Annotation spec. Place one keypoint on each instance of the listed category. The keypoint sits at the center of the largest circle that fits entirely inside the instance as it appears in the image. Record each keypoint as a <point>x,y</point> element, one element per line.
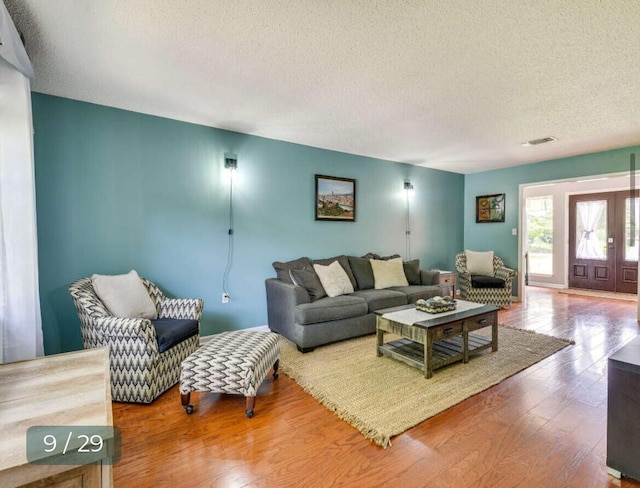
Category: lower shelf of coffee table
<point>445,352</point>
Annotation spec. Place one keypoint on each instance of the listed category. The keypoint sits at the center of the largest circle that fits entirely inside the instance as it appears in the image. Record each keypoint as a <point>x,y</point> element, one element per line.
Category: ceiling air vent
<point>542,140</point>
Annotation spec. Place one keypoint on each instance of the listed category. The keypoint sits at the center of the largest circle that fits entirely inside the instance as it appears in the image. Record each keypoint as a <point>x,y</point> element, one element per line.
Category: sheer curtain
<point>590,214</point>
<point>20,320</point>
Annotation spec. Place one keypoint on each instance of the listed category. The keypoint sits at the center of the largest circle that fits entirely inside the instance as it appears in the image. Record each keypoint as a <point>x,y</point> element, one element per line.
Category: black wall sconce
<point>230,161</point>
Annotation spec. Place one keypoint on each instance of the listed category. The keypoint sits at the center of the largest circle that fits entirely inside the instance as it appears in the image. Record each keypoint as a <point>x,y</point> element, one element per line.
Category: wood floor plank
<point>545,426</point>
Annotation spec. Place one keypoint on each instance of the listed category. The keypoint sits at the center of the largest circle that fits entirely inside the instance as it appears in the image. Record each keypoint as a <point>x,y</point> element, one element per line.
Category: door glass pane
<point>591,230</point>
<point>631,229</point>
<point>540,234</point>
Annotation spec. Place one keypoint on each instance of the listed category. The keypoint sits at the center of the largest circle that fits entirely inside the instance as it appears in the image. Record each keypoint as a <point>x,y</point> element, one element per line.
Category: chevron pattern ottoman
<point>231,362</point>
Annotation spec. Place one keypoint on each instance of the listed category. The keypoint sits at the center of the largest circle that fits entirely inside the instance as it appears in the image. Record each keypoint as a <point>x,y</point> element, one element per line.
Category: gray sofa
<point>298,308</point>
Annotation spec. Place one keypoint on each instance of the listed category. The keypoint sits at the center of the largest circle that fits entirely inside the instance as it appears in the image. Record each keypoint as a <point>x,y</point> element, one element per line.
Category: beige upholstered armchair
<point>145,353</point>
<point>484,278</point>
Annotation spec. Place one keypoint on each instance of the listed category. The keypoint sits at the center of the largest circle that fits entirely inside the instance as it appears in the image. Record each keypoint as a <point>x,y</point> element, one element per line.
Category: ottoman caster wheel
<point>189,409</point>
<point>249,414</point>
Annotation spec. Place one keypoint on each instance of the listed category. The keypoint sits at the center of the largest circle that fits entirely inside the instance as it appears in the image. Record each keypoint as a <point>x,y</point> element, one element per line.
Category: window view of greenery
<point>540,234</point>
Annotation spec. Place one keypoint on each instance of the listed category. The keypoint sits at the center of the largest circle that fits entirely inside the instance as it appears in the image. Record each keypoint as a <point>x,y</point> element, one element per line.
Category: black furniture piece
<point>623,405</point>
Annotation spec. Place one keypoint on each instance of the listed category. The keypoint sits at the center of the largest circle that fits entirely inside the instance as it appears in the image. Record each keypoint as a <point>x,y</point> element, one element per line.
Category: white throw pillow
<point>388,273</point>
<point>124,295</point>
<point>334,279</point>
<point>479,263</point>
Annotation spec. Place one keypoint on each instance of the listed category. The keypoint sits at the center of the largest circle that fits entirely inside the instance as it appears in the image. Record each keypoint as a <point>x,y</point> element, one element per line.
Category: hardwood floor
<point>544,427</point>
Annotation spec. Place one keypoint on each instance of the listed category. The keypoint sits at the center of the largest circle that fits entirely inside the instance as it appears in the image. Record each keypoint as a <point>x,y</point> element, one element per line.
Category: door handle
<point>482,321</point>
<point>448,330</point>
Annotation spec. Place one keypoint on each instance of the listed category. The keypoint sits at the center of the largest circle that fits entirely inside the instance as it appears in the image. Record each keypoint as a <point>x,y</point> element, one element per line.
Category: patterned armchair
<point>140,369</point>
<point>491,290</point>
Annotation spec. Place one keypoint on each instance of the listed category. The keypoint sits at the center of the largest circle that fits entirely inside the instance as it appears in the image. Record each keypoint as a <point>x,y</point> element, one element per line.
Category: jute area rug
<point>382,397</point>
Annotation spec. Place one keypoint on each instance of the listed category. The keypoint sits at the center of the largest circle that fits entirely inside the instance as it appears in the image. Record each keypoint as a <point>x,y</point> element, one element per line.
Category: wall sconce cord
<point>231,163</point>
<point>408,189</point>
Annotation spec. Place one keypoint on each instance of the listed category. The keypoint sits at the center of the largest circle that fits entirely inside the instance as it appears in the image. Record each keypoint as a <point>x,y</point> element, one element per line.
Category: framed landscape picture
<point>490,208</point>
<point>335,198</point>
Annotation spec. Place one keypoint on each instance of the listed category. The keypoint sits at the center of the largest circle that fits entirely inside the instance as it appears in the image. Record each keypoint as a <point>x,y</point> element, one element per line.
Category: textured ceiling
<point>449,84</point>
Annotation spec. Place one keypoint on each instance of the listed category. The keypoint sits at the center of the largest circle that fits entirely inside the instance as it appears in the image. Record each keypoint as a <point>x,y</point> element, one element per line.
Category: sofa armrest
<point>464,277</point>
<point>507,274</point>
<point>130,333</point>
<point>429,276</point>
<point>180,308</point>
<point>282,299</point>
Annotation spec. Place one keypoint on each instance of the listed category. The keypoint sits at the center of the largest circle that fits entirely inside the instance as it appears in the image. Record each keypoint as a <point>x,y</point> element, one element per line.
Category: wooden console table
<point>437,340</point>
<point>63,390</point>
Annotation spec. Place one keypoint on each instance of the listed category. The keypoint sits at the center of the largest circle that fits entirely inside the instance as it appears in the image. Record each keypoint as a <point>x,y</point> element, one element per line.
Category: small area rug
<point>382,397</point>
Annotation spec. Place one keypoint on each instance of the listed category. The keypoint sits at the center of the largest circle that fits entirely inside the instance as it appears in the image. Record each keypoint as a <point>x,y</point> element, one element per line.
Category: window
<point>591,230</point>
<point>539,212</point>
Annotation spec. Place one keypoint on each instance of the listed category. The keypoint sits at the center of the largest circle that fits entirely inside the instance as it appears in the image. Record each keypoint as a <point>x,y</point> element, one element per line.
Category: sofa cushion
<point>412,271</point>
<point>361,268</point>
<point>378,299</point>
<point>124,295</point>
<point>480,281</point>
<point>171,332</point>
<point>388,273</point>
<point>417,292</point>
<point>429,276</point>
<point>480,263</point>
<point>344,262</point>
<point>411,268</point>
<point>308,279</point>
<point>331,308</point>
<point>282,269</point>
<point>334,279</point>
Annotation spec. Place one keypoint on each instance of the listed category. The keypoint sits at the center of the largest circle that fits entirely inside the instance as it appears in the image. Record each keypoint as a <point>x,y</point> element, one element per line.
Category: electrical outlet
<point>514,232</point>
<point>225,298</point>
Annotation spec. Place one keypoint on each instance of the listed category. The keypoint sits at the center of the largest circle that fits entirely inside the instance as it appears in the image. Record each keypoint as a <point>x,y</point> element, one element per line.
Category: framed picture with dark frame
<point>335,198</point>
<point>490,208</point>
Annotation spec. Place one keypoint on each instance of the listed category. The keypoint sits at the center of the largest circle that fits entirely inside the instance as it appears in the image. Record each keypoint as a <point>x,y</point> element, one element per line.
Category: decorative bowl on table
<point>436,305</point>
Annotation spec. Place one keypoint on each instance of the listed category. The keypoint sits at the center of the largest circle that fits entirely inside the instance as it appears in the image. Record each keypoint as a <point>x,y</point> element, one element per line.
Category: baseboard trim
<point>546,285</point>
<point>260,328</point>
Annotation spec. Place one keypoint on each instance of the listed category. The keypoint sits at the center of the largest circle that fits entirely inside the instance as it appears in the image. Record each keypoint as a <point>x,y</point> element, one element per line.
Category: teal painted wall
<point>497,236</point>
<point>118,190</point>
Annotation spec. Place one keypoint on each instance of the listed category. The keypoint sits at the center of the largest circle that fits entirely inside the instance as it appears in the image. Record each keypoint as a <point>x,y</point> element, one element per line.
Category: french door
<point>603,241</point>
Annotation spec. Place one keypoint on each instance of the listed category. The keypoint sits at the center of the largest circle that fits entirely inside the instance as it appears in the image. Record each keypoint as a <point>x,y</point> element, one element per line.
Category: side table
<point>69,389</point>
<point>448,278</point>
